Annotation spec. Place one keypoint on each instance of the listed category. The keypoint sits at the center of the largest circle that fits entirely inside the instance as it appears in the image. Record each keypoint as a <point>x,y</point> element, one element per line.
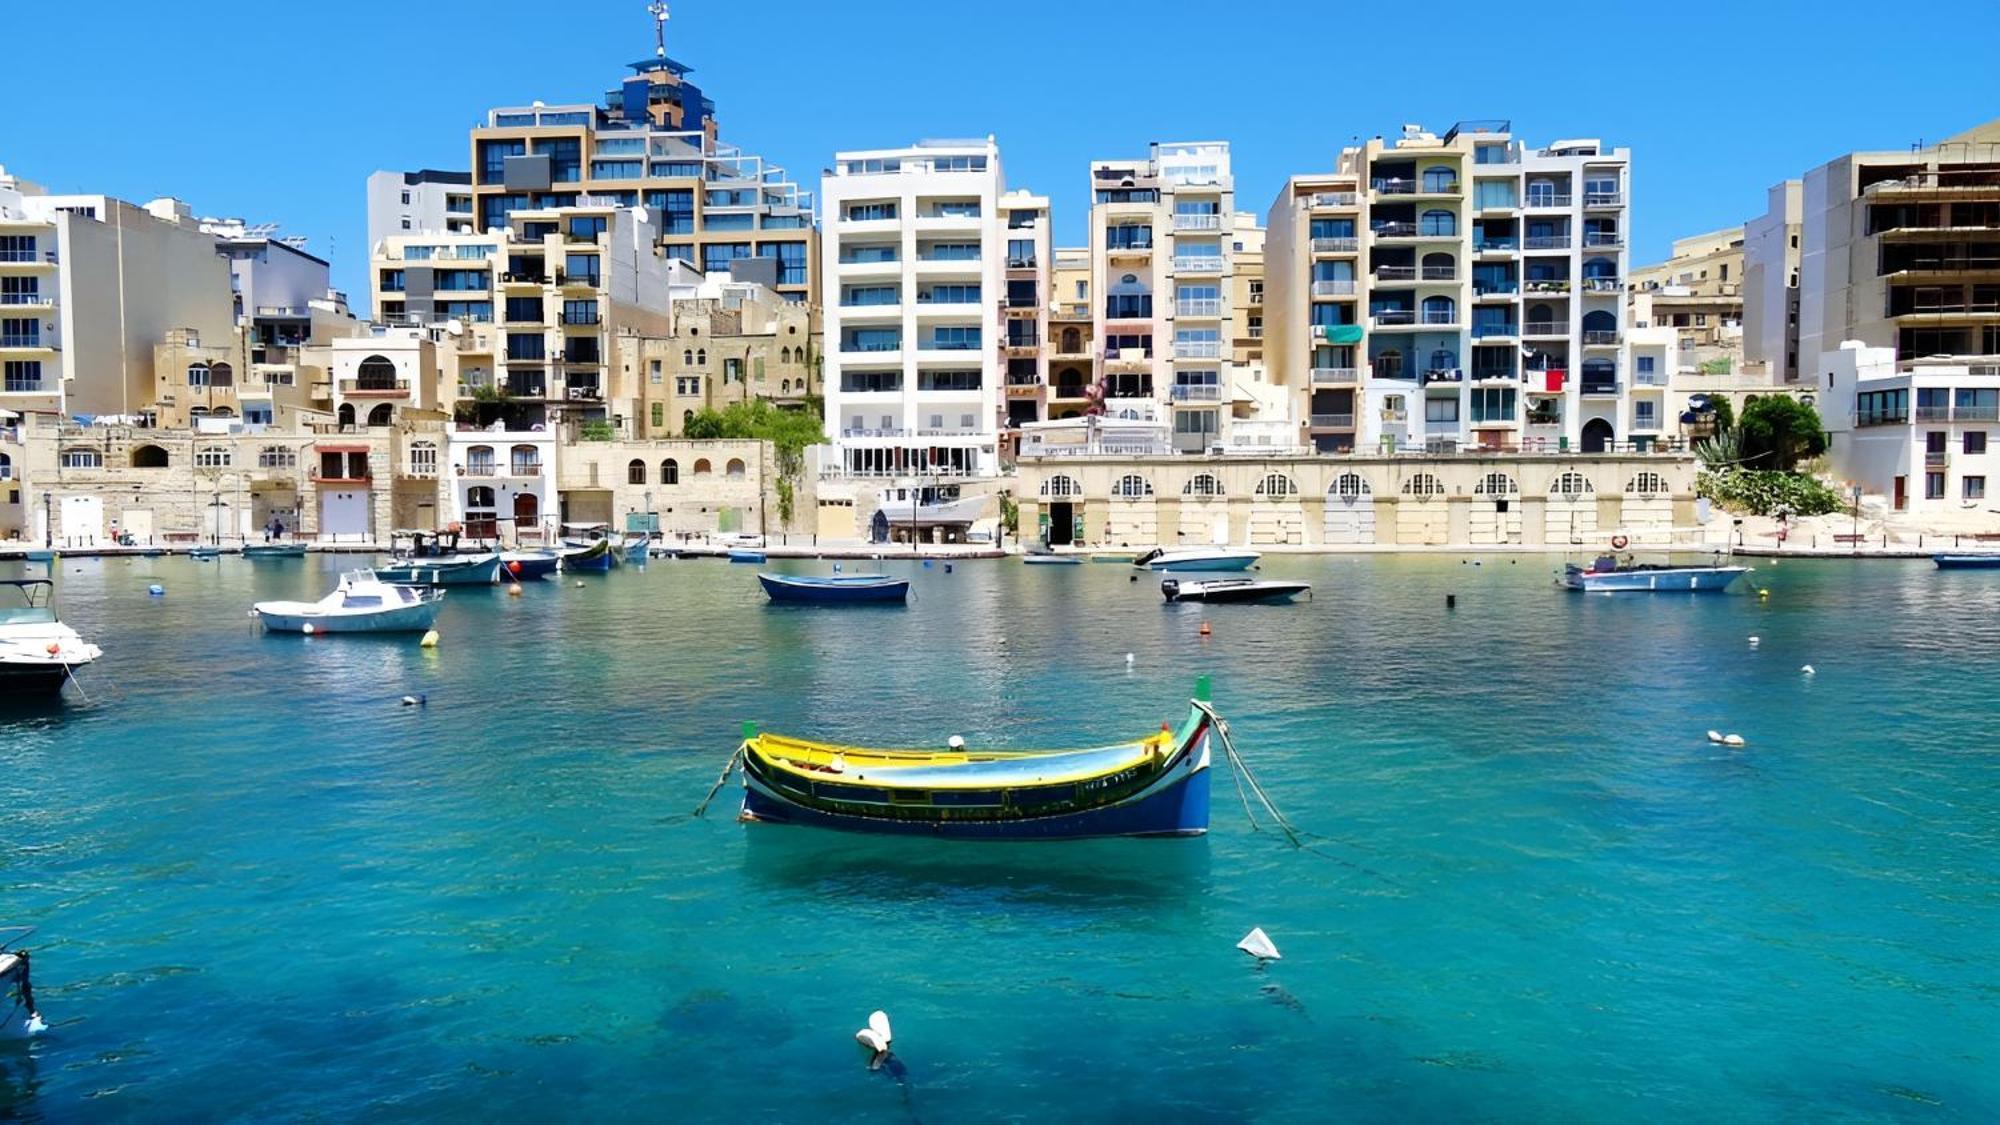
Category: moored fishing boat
<point>632,550</point>
<point>524,566</point>
<point>432,558</point>
<point>838,589</point>
<point>1197,558</point>
<point>1153,786</point>
<point>1237,590</point>
<point>598,557</point>
<point>19,1018</point>
<point>745,555</point>
<point>361,603</point>
<point>1037,559</point>
<point>1983,560</point>
<point>274,551</point>
<point>37,650</point>
<point>1609,575</point>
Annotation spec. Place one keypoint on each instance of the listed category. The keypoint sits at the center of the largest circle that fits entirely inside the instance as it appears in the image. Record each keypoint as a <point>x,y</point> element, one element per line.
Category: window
<point>1973,488</point>
<point>701,467</point>
<point>635,473</point>
<point>1571,486</point>
<point>1423,485</point>
<point>1061,487</point>
<point>732,370</point>
<point>1203,485</point>
<point>211,457</point>
<point>670,471</point>
<point>277,457</point>
<point>870,212</point>
<point>1933,486</point>
<point>20,332</point>
<point>1643,416</point>
<point>17,247</point>
<point>1496,484</point>
<point>1350,486</point>
<point>81,459</point>
<point>734,470</point>
<point>1647,484</point>
<point>1443,410</point>
<point>1277,486</point>
<point>423,459</point>
<point>659,415</point>
<point>1132,486</point>
<point>655,368</point>
<point>197,374</point>
<point>1975,441</point>
<point>1644,364</point>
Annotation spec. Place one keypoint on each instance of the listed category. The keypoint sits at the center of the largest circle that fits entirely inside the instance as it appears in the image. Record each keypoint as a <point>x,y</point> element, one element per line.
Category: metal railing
<point>1336,245</point>
<point>1603,198</point>
<point>1546,242</point>
<point>1935,458</point>
<point>1550,200</point>
<point>1334,376</point>
<point>1545,328</point>
<point>1599,337</point>
<point>1608,239</point>
<point>1494,374</point>
<point>1197,222</point>
<point>1395,273</point>
<point>1591,389</point>
<point>1394,317</point>
<point>1331,421</point>
<point>1333,288</point>
<point>1439,316</point>
<point>1497,245</point>
<point>1601,285</point>
<point>1334,199</point>
<point>1197,349</point>
<point>1483,331</point>
<point>1440,273</point>
<point>1394,230</point>
<point>374,386</point>
<point>1196,392</point>
<point>1495,288</point>
<point>1198,264</point>
<point>1198,306</point>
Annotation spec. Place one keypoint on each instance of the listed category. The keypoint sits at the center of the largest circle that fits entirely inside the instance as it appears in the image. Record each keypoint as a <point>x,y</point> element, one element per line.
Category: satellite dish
<point>454,327</point>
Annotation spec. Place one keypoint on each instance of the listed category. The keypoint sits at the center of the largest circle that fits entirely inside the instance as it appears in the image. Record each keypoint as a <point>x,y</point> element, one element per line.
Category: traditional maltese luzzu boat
<point>1153,786</point>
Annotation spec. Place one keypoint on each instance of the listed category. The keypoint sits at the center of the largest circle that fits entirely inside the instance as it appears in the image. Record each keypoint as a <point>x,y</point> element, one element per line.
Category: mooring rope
<point>728,768</point>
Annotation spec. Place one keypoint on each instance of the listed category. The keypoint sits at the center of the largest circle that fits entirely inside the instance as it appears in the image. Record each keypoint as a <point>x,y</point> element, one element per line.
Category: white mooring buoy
<point>875,1037</point>
<point>1258,944</point>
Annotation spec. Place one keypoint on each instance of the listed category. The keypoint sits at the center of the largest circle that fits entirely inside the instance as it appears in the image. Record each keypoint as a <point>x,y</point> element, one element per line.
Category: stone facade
<point>693,487</point>
<point>721,351</point>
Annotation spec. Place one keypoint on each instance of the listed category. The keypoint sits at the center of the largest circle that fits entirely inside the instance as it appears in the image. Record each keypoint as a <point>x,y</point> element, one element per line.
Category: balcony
<point>1394,318</point>
<point>1336,245</point>
<point>1325,199</point>
<point>1975,414</point>
<point>1600,338</point>
<point>1649,379</point>
<point>882,432</point>
<point>947,344</point>
<point>1546,200</point>
<point>1546,286</point>
<point>1334,376</point>
<point>1546,242</point>
<point>875,347</point>
<point>1391,186</point>
<point>1198,222</point>
<point>1602,285</point>
<point>1204,308</point>
<point>375,388</point>
<point>1197,349</point>
<point>1494,290</point>
<point>580,320</point>
<point>583,392</point>
<point>1545,328</point>
<point>1443,375</point>
<point>1335,288</point>
<point>1020,345</point>
<point>1936,458</point>
<point>1330,421</point>
<point>1495,375</point>
<point>1604,199</point>
<point>1129,359</point>
<point>28,260</point>
<point>1394,230</point>
<point>1497,246</point>
<point>30,300</point>
<point>1128,251</point>
<point>527,387</point>
<point>1492,331</point>
<point>1603,239</point>
<point>1439,273</point>
<point>1438,317</point>
<point>1597,389</point>
<point>1200,264</point>
<point>1196,392</point>
<point>1064,391</point>
<point>1388,274</point>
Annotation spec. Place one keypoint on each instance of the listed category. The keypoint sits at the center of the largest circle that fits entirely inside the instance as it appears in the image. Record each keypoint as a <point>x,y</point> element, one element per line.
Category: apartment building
<point>1918,432</point>
<point>1771,244</point>
<point>1899,249</point>
<point>1247,294</point>
<point>730,342</point>
<point>426,201</point>
<point>1698,293</point>
<point>1163,271</point>
<point>88,285</point>
<point>916,257</point>
<point>1071,342</point>
<point>1459,291</point>
<point>1024,307</point>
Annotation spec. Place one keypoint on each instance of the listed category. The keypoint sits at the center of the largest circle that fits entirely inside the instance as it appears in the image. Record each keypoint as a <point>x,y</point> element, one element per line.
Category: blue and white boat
<point>1982,560</point>
<point>432,558</point>
<point>746,555</point>
<point>362,603</point>
<point>837,589</point>
<point>526,566</point>
<point>1607,575</point>
<point>1197,558</point>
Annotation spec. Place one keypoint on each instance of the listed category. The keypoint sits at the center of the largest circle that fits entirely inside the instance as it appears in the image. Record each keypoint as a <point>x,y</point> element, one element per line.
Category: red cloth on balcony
<point>1555,379</point>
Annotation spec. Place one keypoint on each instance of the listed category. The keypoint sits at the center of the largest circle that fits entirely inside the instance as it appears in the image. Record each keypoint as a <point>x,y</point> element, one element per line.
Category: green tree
<point>1779,432</point>
<point>1725,414</point>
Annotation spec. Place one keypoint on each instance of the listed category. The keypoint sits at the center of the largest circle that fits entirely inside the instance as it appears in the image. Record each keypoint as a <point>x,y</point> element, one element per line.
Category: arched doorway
<point>382,415</point>
<point>527,513</point>
<point>1598,436</point>
<point>345,416</point>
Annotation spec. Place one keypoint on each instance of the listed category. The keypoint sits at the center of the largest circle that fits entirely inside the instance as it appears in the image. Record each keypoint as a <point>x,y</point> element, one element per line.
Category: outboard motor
<point>1171,587</point>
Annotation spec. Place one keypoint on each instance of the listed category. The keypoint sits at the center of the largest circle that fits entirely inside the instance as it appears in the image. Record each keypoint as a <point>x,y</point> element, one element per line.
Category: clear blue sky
<point>278,112</point>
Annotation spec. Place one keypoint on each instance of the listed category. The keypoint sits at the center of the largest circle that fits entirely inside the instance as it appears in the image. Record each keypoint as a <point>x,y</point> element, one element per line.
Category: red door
<point>1902,494</point>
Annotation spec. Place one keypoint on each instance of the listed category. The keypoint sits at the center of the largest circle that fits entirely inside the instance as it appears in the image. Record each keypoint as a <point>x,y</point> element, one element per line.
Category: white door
<point>1350,520</point>
<point>138,521</point>
<point>343,515</point>
<point>82,521</point>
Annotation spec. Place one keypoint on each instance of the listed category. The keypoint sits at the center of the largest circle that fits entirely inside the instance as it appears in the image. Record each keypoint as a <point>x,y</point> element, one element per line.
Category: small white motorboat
<point>1197,558</point>
<point>37,651</point>
<point>362,603</point>
<point>19,1018</point>
<point>1239,590</point>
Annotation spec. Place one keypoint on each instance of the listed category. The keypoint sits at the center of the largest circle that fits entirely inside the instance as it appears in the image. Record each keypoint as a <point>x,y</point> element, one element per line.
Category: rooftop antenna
<point>659,10</point>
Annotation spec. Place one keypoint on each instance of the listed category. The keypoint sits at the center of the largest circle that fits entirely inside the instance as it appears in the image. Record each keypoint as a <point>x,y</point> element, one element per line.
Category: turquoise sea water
<point>1537,893</point>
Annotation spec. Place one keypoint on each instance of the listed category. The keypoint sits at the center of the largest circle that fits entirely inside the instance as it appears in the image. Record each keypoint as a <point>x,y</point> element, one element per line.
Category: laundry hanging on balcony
<point>1342,333</point>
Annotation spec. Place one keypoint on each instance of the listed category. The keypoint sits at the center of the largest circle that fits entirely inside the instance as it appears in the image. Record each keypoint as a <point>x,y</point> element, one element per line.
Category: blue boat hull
<point>852,593</point>
<point>528,567</point>
<point>1177,808</point>
<point>1967,562</point>
<point>746,556</point>
<point>599,563</point>
<point>483,572</point>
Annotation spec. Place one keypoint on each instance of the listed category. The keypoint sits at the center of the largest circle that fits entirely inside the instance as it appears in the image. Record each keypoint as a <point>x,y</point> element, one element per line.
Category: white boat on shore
<point>362,603</point>
<point>1197,558</point>
<point>37,651</point>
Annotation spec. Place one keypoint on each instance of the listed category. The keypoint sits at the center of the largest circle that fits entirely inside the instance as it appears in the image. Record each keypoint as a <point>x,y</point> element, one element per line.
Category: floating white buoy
<point>1732,740</point>
<point>1715,737</point>
<point>955,742</point>
<point>1129,658</point>
<point>430,640</point>
<point>1808,669</point>
<point>308,629</point>
<point>1257,944</point>
<point>579,583</point>
<point>875,1037</point>
<point>514,590</point>
<point>157,590</point>
<point>409,701</point>
<point>1755,641</point>
<point>35,1026</point>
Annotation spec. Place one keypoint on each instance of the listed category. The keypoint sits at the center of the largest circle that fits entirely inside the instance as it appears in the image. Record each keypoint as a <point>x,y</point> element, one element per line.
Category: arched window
<point>376,373</point>
<point>635,473</point>
<point>148,457</point>
<point>734,469</point>
<point>345,415</point>
<point>1600,268</point>
<point>382,415</point>
<point>687,357</point>
<point>1599,320</point>
<point>1496,484</point>
<point>784,386</point>
<point>1443,359</point>
<point>1277,486</point>
<point>1423,486</point>
<point>82,459</point>
<point>1571,486</point>
<point>1072,341</point>
<point>1061,487</point>
<point>1647,484</point>
<point>1203,485</point>
<point>221,375</point>
<point>222,412</point>
<point>687,416</point>
<point>6,467</point>
<point>1350,485</point>
<point>526,461</point>
<point>785,355</point>
<point>197,374</point>
<point>1388,364</point>
<point>1440,310</point>
<point>1436,223</point>
<point>1132,486</point>
<point>1439,267</point>
<point>277,457</point>
<point>701,467</point>
<point>670,471</point>
<point>701,357</point>
<point>479,496</point>
<point>1440,180</point>
<point>479,461</point>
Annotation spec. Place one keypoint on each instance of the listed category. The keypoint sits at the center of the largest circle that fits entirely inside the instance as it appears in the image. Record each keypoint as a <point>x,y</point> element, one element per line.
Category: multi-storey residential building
<point>731,341</point>
<point>1072,334</point>
<point>426,201</point>
<point>652,143</point>
<point>916,256</point>
<point>1025,309</point>
<point>88,285</point>
<point>1771,284</point>
<point>1917,433</point>
<point>1162,269</point>
<point>1698,293</point>
<point>1457,291</point>
<point>1247,294</point>
<point>1899,249</point>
